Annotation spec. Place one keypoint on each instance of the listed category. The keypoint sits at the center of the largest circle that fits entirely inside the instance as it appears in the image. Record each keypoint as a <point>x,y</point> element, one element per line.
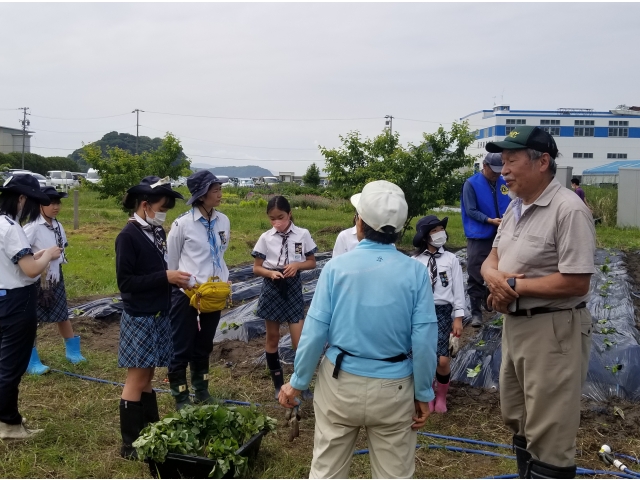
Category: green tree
<point>430,174</point>
<point>312,177</point>
<point>120,169</point>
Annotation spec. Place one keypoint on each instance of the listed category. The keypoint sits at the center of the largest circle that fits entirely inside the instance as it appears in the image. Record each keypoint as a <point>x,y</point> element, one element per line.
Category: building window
<point>549,122</point>
<point>616,131</point>
<point>583,155</point>
<point>583,131</point>
<point>618,123</point>
<point>584,122</point>
<point>516,121</point>
<point>616,155</point>
<point>554,131</point>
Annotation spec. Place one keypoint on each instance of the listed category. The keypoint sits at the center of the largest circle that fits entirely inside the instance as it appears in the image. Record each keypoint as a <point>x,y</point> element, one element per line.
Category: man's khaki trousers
<point>384,407</point>
<point>545,359</point>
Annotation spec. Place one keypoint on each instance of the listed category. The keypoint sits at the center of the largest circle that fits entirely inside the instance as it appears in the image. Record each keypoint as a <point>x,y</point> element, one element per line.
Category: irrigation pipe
<point>628,457</point>
<point>466,440</point>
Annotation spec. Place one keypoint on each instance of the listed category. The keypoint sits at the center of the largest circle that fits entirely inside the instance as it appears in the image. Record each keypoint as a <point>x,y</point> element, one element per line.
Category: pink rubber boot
<point>441,397</point>
<point>432,403</point>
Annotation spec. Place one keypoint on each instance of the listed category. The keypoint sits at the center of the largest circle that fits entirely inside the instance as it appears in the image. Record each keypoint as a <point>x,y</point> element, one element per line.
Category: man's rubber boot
<point>35,365</point>
<point>72,346</point>
<point>17,432</point>
<point>441,397</point>
<point>278,380</point>
<point>432,403</point>
<point>522,455</point>
<point>476,312</point>
<point>149,407</point>
<point>200,381</point>
<point>307,394</point>
<point>538,469</point>
<point>179,388</point>
<point>131,422</point>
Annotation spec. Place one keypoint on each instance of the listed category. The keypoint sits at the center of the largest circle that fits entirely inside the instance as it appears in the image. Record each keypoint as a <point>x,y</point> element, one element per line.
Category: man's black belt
<point>398,358</point>
<point>539,310</point>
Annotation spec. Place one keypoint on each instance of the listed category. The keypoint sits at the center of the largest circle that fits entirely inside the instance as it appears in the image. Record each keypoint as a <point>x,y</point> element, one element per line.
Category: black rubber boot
<point>200,381</point>
<point>522,455</point>
<point>179,388</point>
<point>476,312</point>
<point>538,469</point>
<point>278,380</point>
<point>131,422</point>
<point>150,407</point>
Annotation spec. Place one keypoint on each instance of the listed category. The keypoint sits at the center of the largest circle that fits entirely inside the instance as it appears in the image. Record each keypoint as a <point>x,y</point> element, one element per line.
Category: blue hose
<point>628,457</point>
<point>466,440</point>
<point>584,471</point>
<point>451,449</point>
<point>508,475</point>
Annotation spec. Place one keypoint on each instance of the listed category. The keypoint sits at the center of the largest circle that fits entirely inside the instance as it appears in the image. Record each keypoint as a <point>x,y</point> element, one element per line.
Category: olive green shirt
<point>555,234</point>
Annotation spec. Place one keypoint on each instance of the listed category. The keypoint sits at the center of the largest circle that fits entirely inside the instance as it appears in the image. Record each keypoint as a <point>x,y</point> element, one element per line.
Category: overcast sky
<point>352,62</point>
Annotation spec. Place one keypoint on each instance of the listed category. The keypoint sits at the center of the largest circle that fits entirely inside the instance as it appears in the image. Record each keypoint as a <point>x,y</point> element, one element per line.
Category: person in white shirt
<point>280,254</point>
<point>448,294</point>
<point>196,244</point>
<point>43,233</point>
<point>20,198</point>
<point>347,240</point>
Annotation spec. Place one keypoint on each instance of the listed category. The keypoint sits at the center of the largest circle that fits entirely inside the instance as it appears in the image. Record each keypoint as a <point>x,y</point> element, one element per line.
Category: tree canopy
<point>312,177</point>
<point>431,173</point>
<point>37,163</point>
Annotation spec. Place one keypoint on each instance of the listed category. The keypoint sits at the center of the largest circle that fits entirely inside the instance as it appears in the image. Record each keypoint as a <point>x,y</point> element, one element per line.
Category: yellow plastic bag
<point>211,296</point>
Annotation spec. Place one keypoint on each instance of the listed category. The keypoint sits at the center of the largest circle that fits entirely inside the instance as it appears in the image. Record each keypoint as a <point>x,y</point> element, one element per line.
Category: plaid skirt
<point>145,342</point>
<point>52,303</point>
<point>281,300</point>
<point>445,323</point>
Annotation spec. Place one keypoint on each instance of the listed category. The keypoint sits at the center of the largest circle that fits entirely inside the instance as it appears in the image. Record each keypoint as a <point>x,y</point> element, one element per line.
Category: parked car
<point>179,182</point>
<point>93,176</point>
<point>268,181</point>
<point>246,182</point>
<point>62,179</point>
<point>41,178</point>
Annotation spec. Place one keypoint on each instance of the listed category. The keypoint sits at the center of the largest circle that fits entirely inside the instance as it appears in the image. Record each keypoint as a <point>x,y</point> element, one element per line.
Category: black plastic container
<point>187,466</point>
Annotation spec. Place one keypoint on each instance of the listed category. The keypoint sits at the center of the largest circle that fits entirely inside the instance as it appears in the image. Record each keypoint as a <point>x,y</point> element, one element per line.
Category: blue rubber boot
<point>35,365</point>
<point>72,346</point>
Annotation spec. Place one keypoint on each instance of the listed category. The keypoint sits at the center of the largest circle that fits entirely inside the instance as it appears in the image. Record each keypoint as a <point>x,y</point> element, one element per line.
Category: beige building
<point>11,140</point>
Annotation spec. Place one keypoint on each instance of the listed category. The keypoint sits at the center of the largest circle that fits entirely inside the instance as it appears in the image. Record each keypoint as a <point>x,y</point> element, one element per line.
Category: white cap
<point>381,203</point>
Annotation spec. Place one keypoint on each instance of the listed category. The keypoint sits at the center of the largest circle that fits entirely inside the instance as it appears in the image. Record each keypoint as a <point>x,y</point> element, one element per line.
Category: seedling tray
<point>187,466</point>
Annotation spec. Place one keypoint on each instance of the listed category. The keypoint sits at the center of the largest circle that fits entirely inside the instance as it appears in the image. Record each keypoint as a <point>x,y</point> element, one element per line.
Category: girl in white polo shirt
<point>47,232</point>
<point>280,254</point>
<point>448,295</point>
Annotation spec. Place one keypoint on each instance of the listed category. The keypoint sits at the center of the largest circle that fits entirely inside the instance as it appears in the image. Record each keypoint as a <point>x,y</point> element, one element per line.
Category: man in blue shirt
<point>485,198</point>
<point>373,307</point>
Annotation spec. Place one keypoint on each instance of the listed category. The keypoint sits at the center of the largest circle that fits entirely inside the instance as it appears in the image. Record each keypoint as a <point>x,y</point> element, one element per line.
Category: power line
<point>92,131</point>
<point>267,119</point>
<point>230,144</point>
<point>92,118</point>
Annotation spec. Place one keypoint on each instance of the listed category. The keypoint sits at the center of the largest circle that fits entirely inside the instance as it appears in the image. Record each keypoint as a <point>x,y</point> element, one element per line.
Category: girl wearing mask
<point>20,199</point>
<point>279,256</point>
<point>448,295</point>
<point>47,232</point>
<point>145,285</point>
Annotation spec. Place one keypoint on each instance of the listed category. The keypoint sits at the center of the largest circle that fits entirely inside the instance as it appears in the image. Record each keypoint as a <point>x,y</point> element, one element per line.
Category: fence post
<point>76,216</point>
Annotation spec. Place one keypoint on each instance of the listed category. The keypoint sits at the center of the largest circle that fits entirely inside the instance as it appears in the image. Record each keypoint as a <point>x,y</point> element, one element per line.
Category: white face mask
<point>438,239</point>
<point>158,219</point>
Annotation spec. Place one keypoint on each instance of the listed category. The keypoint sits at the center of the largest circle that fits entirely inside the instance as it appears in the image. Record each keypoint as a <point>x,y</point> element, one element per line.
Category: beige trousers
<point>545,359</point>
<point>384,407</point>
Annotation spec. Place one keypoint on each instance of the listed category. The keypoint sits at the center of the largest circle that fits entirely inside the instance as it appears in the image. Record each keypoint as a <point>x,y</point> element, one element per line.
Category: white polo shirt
<point>13,246</point>
<point>40,236</point>
<point>299,243</point>
<point>449,284</point>
<point>347,240</point>
<point>188,246</point>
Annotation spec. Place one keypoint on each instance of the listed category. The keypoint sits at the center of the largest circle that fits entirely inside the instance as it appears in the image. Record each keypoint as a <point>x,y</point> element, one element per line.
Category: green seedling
<point>614,368</point>
<point>608,343</point>
<point>481,343</point>
<point>498,321</point>
<point>473,372</point>
<point>605,269</point>
<point>77,312</point>
<point>608,330</point>
<point>608,307</point>
<point>603,321</point>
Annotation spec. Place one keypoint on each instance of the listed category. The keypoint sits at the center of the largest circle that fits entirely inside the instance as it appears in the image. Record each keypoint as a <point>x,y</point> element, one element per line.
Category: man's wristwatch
<point>512,283</point>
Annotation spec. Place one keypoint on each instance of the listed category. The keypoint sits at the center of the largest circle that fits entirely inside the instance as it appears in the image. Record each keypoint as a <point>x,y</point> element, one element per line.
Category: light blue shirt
<point>374,302</point>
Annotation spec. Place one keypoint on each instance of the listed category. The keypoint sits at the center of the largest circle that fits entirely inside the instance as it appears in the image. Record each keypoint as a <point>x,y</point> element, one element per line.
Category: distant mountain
<point>240,172</point>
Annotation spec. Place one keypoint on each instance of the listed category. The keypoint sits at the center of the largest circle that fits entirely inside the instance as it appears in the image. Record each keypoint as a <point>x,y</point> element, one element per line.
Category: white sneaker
<point>16,432</point>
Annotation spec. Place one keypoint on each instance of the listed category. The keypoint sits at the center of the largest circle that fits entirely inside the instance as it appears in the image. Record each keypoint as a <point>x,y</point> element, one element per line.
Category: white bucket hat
<point>381,204</point>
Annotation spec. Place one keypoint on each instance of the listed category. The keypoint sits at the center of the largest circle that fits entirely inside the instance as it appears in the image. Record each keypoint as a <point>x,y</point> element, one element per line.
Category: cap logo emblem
<point>513,134</point>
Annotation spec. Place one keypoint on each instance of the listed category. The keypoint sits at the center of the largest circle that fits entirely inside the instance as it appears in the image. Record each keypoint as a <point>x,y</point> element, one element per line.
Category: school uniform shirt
<point>197,246</point>
<point>14,245</point>
<point>347,240</point>
<point>42,235</point>
<point>273,251</point>
<point>449,288</point>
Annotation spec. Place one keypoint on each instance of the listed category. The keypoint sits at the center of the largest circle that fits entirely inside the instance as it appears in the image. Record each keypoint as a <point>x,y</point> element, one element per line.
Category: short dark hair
<point>9,206</point>
<point>386,237</point>
<point>575,181</point>
<point>132,201</point>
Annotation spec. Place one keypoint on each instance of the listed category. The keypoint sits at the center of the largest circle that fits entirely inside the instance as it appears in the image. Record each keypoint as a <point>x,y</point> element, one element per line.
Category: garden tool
<point>608,459</point>
<point>292,415</point>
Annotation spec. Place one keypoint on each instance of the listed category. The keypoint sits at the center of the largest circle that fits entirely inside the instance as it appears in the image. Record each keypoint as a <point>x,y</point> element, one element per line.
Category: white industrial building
<point>11,140</point>
<point>586,138</point>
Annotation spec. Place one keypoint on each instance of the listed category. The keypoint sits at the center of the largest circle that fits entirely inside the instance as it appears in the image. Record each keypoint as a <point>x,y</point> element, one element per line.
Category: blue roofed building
<point>607,174</point>
<point>585,137</point>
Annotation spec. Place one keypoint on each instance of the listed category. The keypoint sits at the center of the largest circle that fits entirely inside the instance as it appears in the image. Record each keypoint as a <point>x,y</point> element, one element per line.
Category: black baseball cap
<point>526,137</point>
<point>494,160</point>
<point>25,184</point>
<point>54,194</point>
<point>425,225</point>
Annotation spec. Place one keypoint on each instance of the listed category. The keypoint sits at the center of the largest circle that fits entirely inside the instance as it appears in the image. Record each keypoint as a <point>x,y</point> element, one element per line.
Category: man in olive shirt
<point>538,273</point>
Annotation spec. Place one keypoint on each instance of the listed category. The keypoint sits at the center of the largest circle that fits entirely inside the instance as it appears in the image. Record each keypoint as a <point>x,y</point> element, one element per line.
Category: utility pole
<point>25,123</point>
<point>389,123</point>
<point>137,112</point>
